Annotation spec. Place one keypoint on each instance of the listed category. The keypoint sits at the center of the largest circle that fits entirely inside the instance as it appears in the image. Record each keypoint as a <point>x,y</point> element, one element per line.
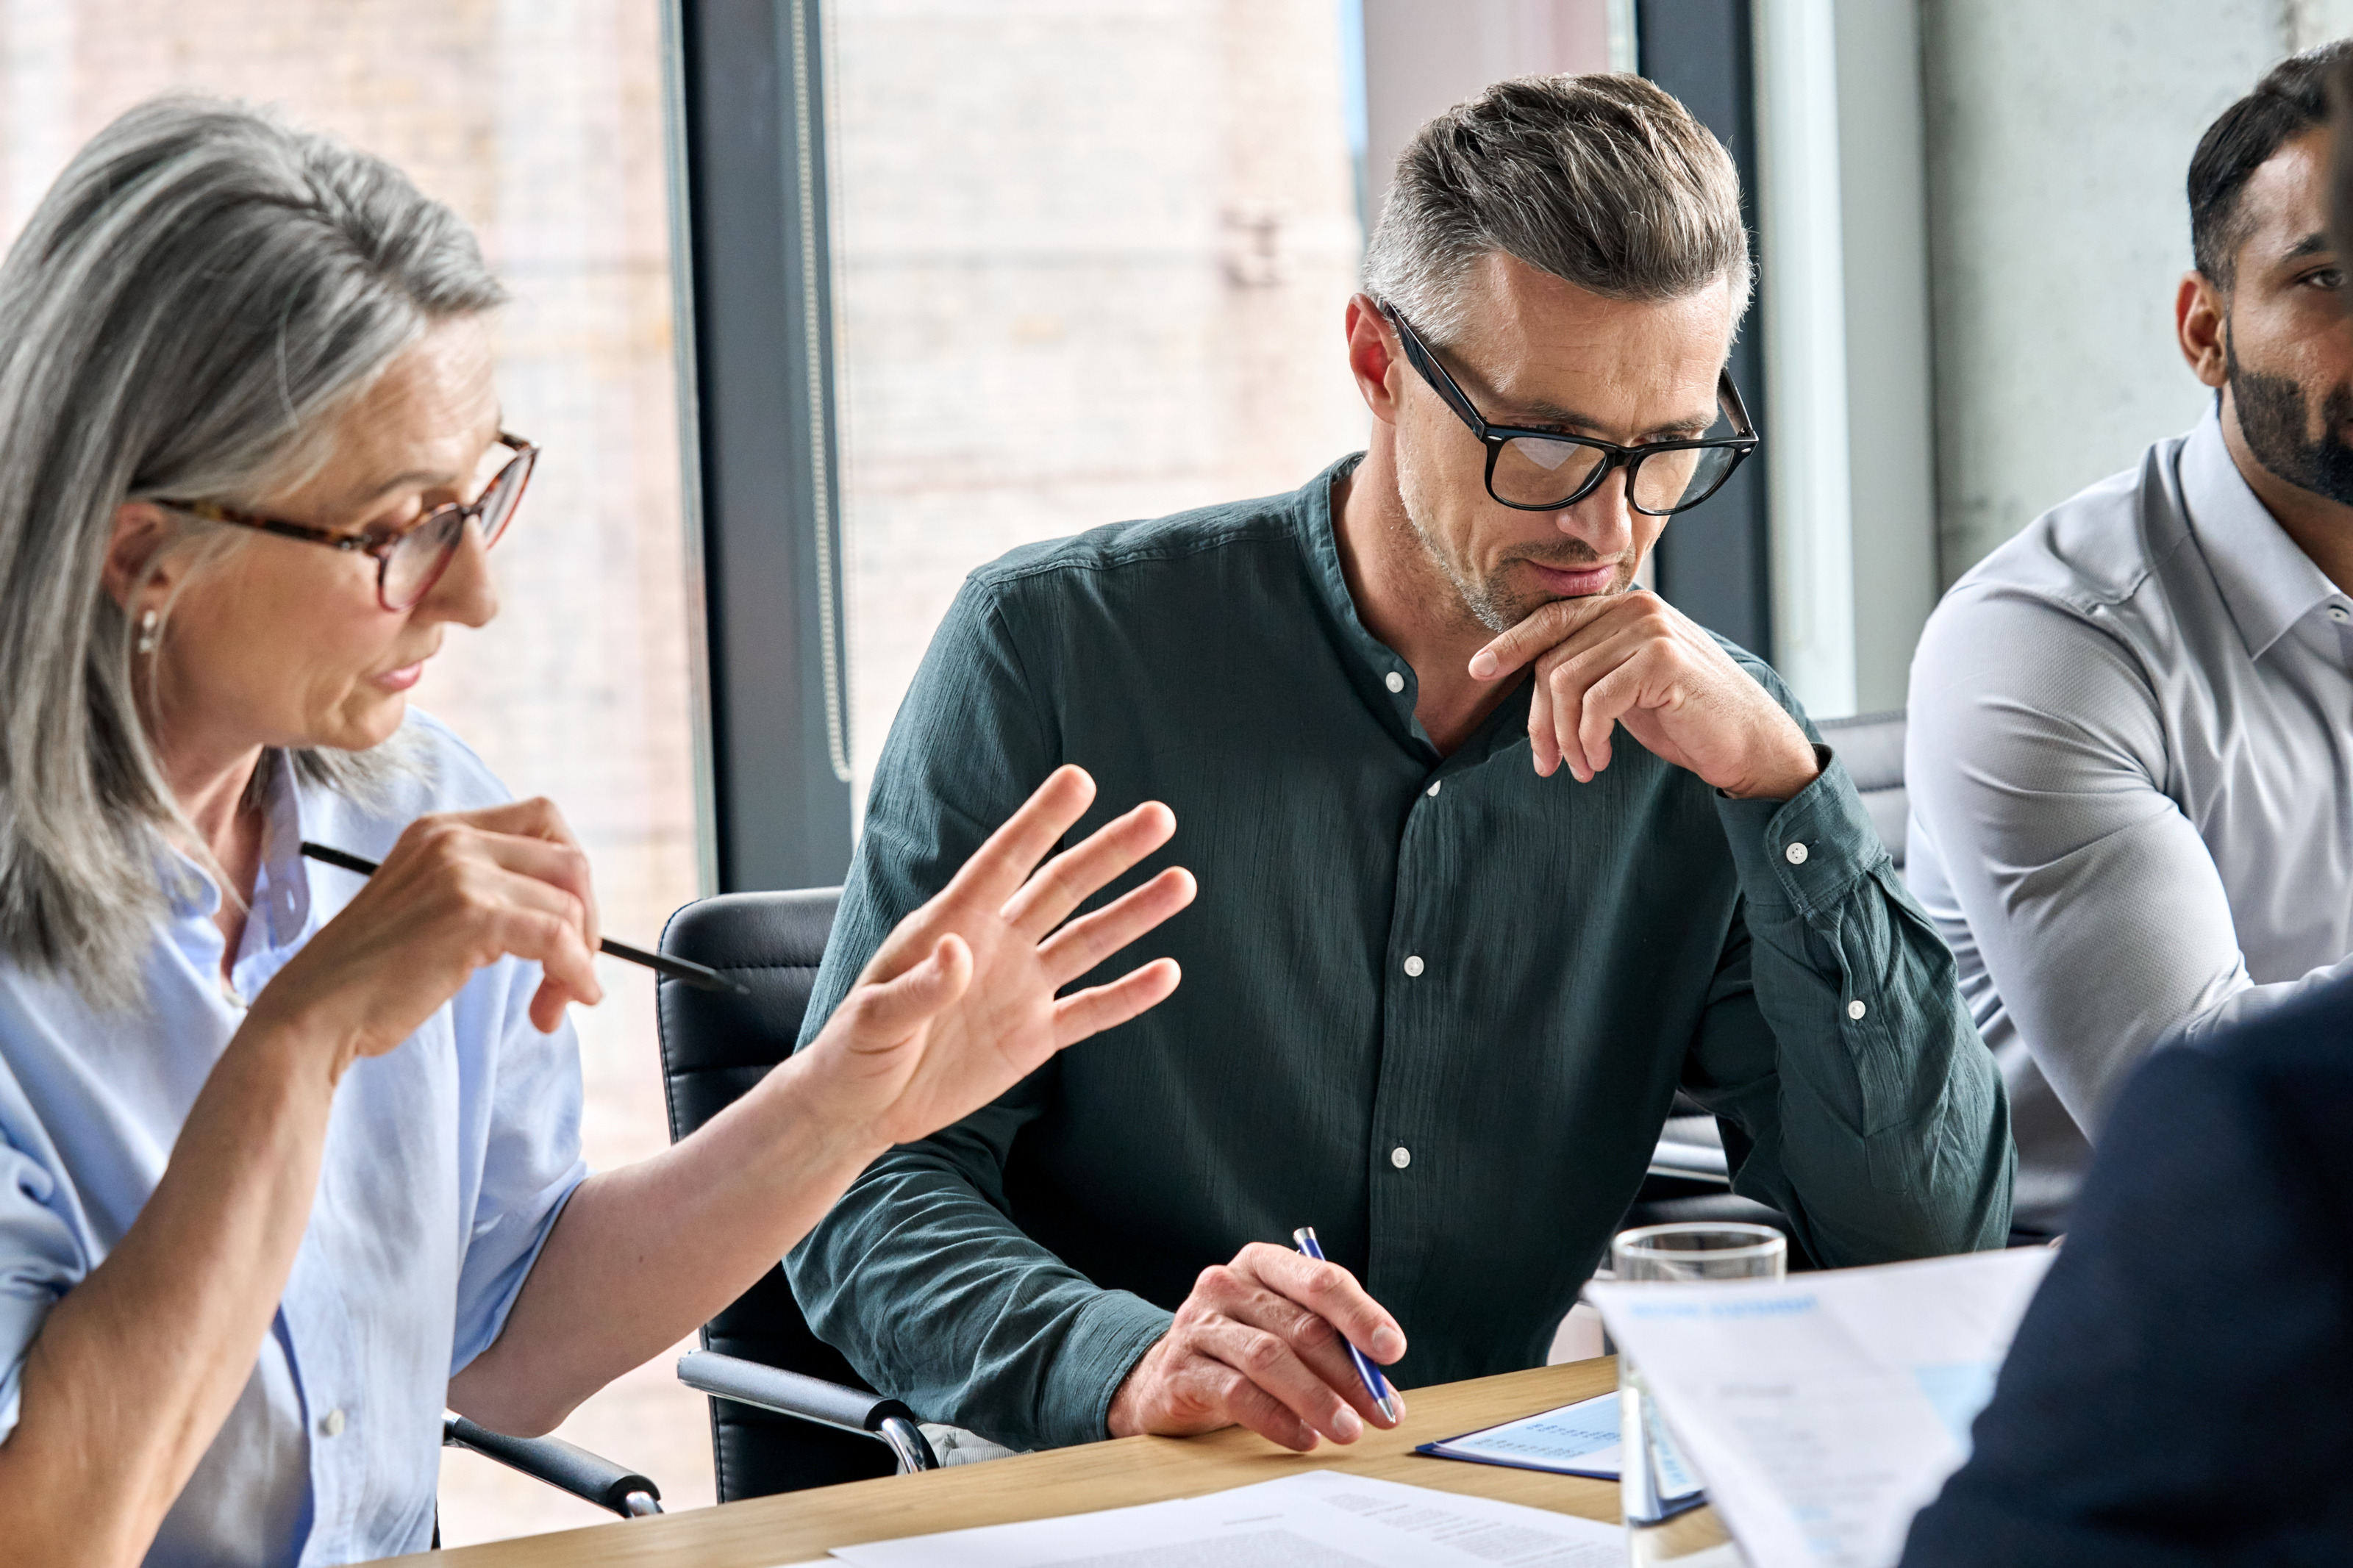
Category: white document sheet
<point>1824,1410</point>
<point>1318,1519</point>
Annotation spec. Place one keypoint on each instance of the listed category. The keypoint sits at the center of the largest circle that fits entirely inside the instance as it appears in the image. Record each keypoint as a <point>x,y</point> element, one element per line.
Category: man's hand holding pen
<point>1263,1342</point>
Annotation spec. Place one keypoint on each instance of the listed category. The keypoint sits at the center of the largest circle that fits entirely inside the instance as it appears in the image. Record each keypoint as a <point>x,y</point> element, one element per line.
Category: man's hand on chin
<point>1259,1345</point>
<point>1632,659</point>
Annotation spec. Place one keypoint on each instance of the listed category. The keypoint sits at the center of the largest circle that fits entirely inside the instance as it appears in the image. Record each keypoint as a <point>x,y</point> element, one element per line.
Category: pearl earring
<point>147,633</point>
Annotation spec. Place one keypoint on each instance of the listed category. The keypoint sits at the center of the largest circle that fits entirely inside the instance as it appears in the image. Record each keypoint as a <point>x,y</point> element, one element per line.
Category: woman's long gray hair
<point>186,310</point>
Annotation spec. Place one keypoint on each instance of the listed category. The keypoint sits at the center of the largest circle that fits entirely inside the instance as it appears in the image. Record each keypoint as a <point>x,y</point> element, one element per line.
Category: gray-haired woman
<point>288,1159</point>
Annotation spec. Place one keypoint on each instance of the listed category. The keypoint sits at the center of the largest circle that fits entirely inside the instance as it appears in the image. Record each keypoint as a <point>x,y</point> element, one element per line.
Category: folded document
<point>1579,1439</point>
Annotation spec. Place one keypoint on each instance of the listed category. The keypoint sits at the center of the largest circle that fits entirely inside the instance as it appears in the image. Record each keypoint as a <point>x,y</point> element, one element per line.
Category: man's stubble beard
<point>2275,418</point>
<point>1487,601</point>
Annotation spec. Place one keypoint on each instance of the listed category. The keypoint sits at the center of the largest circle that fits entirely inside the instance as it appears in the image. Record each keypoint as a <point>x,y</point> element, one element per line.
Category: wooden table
<point>801,1526</point>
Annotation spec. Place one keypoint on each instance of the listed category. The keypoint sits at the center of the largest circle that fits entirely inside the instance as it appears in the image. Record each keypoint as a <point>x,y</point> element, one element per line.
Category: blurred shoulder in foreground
<point>2176,1393</point>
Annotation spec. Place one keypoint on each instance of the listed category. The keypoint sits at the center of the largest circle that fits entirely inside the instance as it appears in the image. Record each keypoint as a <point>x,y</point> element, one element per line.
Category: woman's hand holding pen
<point>459,891</point>
<point>1259,1343</point>
<point>959,1004</point>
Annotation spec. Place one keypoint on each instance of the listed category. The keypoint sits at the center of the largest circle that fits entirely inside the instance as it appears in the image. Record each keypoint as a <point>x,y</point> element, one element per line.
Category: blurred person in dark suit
<point>2176,1392</point>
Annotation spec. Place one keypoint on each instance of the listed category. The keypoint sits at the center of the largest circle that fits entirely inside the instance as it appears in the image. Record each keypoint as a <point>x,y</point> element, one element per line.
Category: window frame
<point>1716,565</point>
<point>759,445</point>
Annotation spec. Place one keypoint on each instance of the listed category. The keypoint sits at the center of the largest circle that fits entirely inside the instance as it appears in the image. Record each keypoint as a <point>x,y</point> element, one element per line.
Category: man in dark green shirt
<point>1437,996</point>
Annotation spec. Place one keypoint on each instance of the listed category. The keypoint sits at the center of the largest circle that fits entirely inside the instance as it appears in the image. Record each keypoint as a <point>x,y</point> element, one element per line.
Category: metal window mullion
<point>826,510</point>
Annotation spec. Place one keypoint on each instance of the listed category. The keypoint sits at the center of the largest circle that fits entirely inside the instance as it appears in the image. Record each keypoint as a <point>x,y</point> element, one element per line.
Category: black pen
<point>1374,1384</point>
<point>678,969</point>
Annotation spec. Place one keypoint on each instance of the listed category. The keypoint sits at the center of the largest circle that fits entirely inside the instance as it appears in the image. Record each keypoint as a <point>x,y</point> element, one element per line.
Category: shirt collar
<point>2266,581</point>
<point>1372,662</point>
<point>281,893</point>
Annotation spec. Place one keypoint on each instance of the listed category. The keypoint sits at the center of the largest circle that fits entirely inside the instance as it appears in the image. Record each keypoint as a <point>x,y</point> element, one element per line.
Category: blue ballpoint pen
<point>1374,1384</point>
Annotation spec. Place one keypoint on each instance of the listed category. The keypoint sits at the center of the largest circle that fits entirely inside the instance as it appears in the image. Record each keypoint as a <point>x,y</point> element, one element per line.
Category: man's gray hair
<point>1602,180</point>
<point>196,300</point>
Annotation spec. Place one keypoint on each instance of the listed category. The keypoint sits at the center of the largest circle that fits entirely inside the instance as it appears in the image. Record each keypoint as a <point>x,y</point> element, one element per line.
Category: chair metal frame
<point>807,1398</point>
<point>564,1466</point>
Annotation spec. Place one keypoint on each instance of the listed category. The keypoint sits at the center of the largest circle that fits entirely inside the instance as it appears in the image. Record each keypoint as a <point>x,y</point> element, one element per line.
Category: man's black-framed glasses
<point>1546,470</point>
<point>409,560</point>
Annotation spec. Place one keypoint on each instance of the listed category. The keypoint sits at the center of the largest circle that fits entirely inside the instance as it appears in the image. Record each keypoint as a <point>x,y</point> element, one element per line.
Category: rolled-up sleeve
<point>531,1155</point>
<point>40,1259</point>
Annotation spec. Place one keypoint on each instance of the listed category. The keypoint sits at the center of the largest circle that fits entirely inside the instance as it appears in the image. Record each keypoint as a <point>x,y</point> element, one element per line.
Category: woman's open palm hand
<point>959,1004</point>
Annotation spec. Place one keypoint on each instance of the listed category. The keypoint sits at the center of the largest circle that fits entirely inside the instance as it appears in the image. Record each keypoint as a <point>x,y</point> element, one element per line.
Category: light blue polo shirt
<point>447,1161</point>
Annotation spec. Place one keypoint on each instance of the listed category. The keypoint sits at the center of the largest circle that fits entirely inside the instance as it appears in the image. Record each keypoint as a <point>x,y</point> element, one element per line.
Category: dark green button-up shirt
<point>1435,1007</point>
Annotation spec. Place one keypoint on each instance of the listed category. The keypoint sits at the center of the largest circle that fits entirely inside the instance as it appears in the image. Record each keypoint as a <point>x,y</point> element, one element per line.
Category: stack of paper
<point>1824,1410</point>
<point>1319,1519</point>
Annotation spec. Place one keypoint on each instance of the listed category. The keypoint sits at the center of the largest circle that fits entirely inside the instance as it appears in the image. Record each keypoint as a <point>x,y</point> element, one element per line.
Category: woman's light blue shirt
<point>447,1162</point>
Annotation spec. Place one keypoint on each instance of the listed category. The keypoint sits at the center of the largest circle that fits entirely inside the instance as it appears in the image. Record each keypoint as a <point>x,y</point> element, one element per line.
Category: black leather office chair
<point>1871,747</point>
<point>787,1410</point>
<point>1688,1179</point>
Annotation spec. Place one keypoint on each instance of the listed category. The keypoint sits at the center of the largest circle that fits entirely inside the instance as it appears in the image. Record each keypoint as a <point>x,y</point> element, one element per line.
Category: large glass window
<point>1092,259</point>
<point>542,124</point>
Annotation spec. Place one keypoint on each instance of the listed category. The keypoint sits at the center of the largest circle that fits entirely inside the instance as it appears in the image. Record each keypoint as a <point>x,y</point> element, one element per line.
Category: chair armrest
<point>564,1466</point>
<point>807,1398</point>
<point>1693,1161</point>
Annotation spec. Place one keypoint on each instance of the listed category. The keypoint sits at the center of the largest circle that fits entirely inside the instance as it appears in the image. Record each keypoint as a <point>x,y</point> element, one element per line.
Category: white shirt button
<point>1855,1010</point>
<point>1795,854</point>
<point>1394,682</point>
<point>1413,965</point>
<point>2339,614</point>
<point>331,1424</point>
<point>1400,1157</point>
<point>1433,788</point>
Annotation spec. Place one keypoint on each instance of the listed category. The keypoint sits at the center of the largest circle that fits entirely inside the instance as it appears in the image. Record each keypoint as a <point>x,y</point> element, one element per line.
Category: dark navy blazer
<point>2181,1388</point>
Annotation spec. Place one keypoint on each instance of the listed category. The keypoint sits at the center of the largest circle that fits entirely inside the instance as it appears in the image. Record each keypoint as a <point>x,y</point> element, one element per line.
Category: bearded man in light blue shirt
<point>2131,746</point>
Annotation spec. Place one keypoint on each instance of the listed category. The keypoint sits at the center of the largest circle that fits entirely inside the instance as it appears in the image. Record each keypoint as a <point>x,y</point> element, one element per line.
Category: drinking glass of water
<point>1658,1490</point>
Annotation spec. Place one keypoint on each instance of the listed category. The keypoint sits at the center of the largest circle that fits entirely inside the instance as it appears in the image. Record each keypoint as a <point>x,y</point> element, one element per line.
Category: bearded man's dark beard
<point>2274,415</point>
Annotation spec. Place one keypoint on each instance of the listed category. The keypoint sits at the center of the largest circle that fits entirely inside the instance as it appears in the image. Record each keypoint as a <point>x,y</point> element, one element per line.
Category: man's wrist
<point>1108,1352</point>
<point>1124,1418</point>
<point>1788,779</point>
